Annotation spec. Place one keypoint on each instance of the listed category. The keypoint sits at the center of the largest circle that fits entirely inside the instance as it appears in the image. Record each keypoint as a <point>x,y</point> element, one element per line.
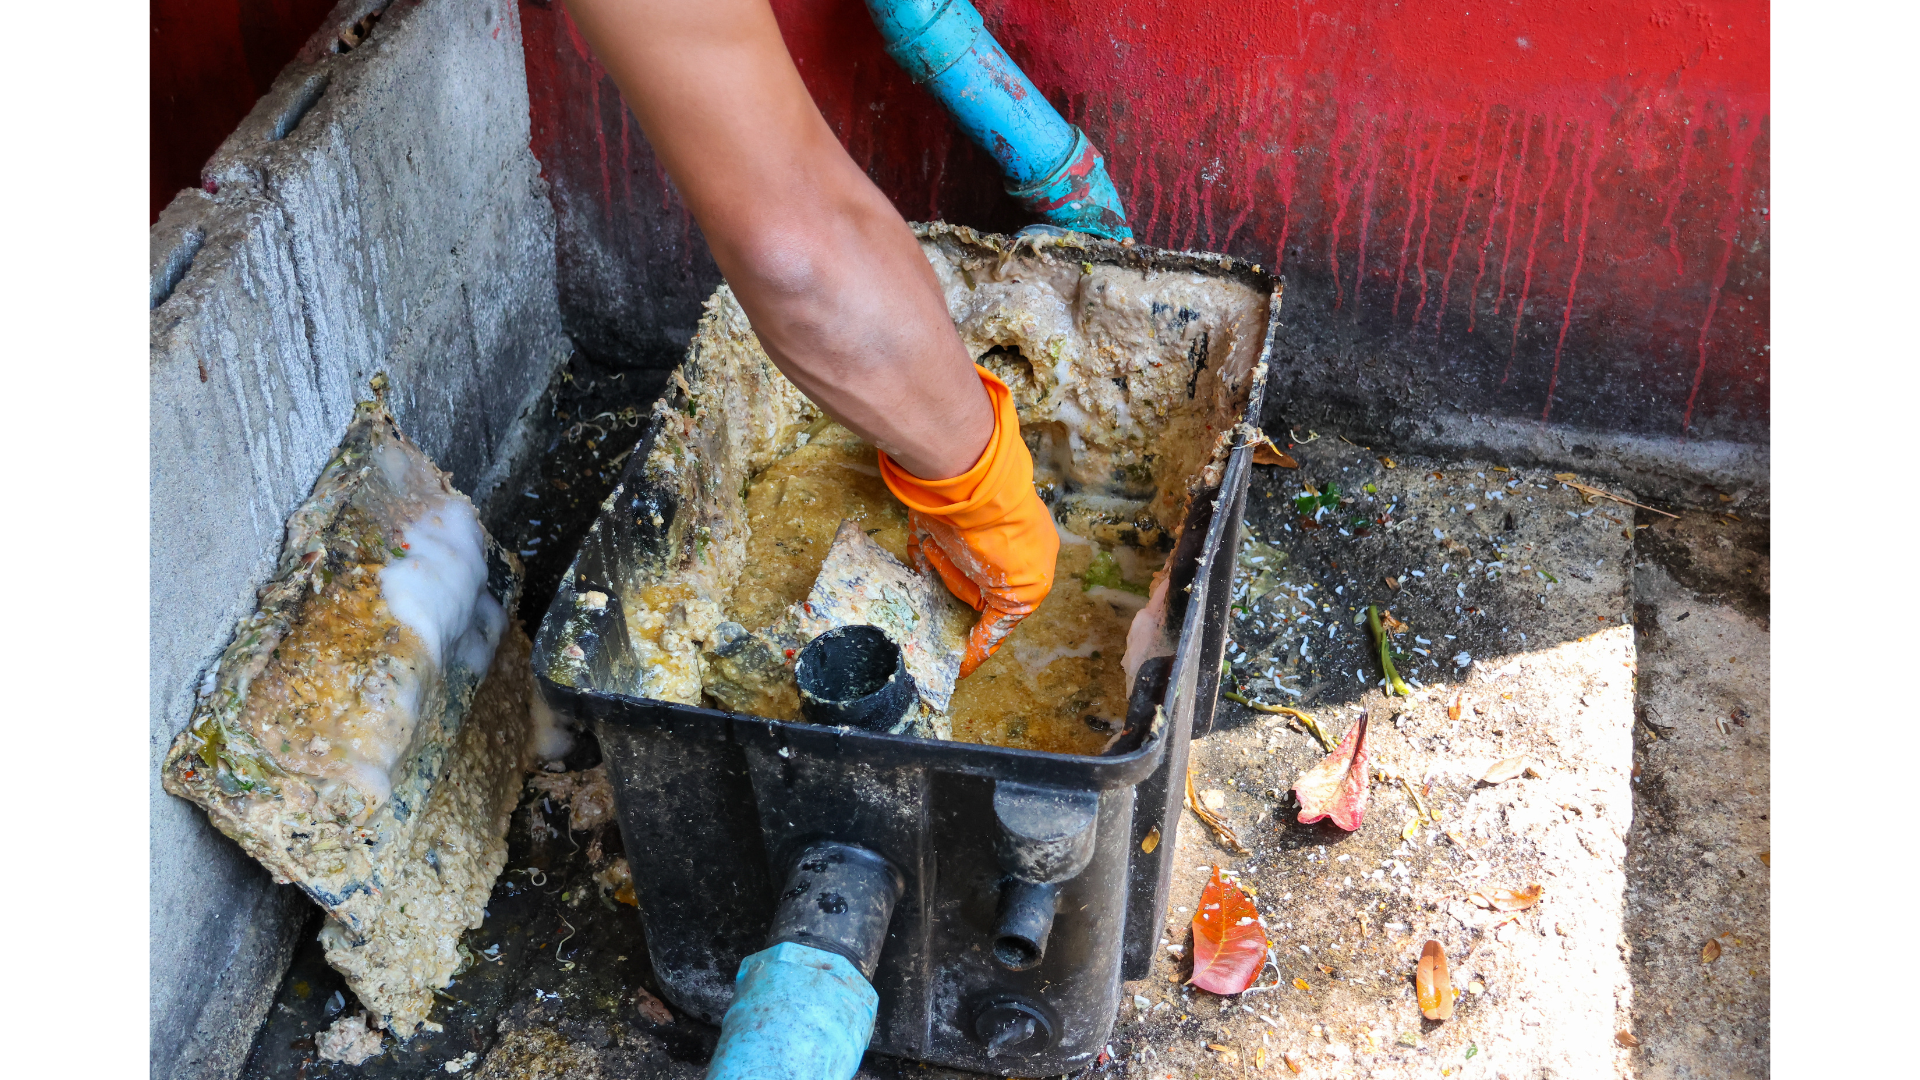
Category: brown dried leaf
<point>1393,625</point>
<point>1337,787</point>
<point>652,1007</point>
<point>1292,1062</point>
<point>1265,453</point>
<point>1626,1039</point>
<point>1508,899</point>
<point>1710,952</point>
<point>1503,770</point>
<point>1453,710</point>
<point>1392,583</point>
<point>1431,983</point>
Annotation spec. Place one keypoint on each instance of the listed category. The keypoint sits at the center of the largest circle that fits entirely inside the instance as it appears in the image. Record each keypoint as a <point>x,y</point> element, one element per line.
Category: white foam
<point>437,589</point>
<point>551,739</point>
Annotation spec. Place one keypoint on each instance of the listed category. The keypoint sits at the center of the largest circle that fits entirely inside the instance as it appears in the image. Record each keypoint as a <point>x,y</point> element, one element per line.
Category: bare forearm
<point>837,289</point>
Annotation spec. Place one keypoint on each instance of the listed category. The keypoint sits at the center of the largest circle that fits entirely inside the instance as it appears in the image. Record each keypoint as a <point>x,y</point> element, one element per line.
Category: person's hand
<point>985,532</point>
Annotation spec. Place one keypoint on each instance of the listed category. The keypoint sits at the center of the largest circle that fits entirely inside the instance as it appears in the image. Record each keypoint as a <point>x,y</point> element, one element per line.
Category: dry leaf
<point>1292,1062</point>
<point>1710,952</point>
<point>652,1008</point>
<point>1431,984</point>
<point>1301,984</point>
<point>1503,770</point>
<point>1150,841</point>
<point>1767,857</point>
<point>1229,944</point>
<point>1324,969</point>
<point>1507,899</point>
<point>1453,710</point>
<point>1392,583</point>
<point>1259,1057</point>
<point>1337,787</point>
<point>1265,453</point>
<point>1393,625</point>
<point>1626,1039</point>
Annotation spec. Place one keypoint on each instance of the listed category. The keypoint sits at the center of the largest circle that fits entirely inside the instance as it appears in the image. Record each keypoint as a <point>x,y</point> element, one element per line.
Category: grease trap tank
<point>1032,882</point>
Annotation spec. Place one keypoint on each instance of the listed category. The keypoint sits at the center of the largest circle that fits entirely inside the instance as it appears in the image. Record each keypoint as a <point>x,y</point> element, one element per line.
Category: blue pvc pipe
<point>798,1013</point>
<point>1050,165</point>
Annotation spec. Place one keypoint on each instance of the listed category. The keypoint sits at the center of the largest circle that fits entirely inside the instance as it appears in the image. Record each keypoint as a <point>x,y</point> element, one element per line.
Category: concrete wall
<point>211,60</point>
<point>1546,222</point>
<point>378,210</point>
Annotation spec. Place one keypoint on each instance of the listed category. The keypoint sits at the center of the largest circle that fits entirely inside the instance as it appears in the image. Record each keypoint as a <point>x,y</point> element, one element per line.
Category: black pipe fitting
<point>839,897</point>
<point>1026,918</point>
<point>1045,838</point>
<point>854,676</point>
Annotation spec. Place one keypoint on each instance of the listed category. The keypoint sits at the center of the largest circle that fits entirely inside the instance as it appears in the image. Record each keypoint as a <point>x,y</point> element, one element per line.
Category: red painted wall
<point>211,60</point>
<point>1562,206</point>
<point>1532,208</point>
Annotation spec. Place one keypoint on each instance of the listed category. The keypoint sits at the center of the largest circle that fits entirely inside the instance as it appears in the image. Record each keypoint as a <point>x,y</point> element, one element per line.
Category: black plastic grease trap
<point>716,807</point>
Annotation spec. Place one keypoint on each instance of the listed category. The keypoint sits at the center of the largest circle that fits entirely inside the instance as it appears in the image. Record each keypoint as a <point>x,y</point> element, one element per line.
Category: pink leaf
<point>1337,787</point>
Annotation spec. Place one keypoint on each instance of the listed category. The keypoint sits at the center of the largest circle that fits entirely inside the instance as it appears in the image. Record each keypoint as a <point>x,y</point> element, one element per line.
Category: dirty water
<point>1057,683</point>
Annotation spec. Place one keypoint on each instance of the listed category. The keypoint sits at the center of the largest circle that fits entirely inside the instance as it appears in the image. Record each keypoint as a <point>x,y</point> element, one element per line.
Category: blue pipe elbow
<point>1051,167</point>
<point>798,1013</point>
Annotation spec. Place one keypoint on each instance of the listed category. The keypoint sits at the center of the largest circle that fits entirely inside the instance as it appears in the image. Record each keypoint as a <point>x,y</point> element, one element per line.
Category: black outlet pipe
<point>839,897</point>
<point>854,676</point>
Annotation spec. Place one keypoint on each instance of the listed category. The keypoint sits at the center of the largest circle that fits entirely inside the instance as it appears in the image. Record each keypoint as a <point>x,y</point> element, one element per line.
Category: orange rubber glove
<point>985,532</point>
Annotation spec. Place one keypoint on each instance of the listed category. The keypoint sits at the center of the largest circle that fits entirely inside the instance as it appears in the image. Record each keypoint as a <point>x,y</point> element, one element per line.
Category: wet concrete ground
<point>1645,656</point>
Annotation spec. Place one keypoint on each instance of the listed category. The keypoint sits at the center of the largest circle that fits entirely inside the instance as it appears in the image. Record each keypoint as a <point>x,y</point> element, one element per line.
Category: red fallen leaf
<point>1337,787</point>
<point>1229,944</point>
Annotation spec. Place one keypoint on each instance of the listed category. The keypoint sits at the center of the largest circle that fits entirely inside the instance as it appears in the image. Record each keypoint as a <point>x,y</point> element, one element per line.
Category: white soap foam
<point>438,588</point>
<point>551,739</point>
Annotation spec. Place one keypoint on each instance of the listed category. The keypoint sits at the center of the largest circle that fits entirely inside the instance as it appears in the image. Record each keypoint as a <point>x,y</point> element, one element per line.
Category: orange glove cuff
<point>993,509</point>
<point>986,493</point>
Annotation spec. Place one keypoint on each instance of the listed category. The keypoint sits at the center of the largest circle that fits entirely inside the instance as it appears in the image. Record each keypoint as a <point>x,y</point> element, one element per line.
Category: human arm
<point>833,280</point>
<point>836,287</point>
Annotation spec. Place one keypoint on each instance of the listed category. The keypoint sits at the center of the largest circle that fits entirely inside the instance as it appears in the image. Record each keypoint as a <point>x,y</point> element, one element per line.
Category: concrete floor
<point>1641,682</point>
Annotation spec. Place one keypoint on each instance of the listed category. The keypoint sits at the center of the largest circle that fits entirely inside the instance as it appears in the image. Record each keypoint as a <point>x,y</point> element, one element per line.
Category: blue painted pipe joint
<point>798,1013</point>
<point>1051,167</point>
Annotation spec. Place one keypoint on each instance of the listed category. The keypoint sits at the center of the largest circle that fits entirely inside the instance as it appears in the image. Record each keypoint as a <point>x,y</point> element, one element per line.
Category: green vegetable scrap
<point>1395,684</point>
<point>1328,497</point>
<point>1104,573</point>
